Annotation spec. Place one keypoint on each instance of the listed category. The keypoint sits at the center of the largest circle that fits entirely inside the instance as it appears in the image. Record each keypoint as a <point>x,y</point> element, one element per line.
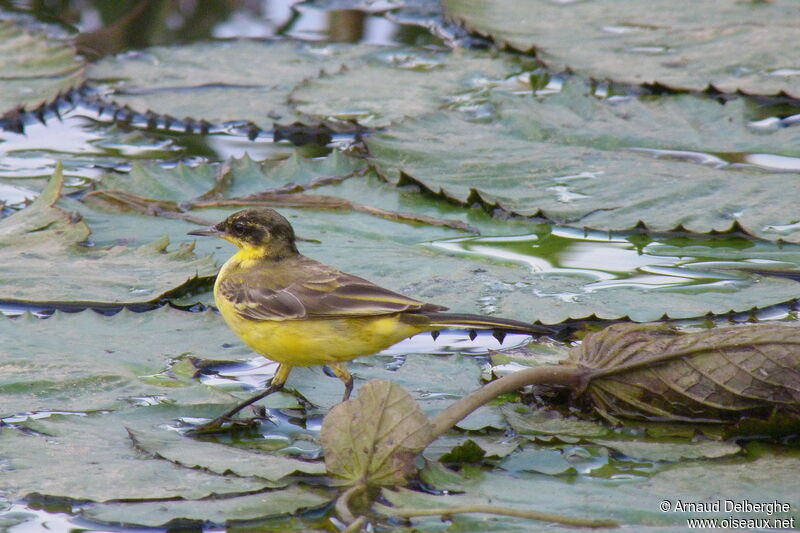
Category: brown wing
<point>310,289</point>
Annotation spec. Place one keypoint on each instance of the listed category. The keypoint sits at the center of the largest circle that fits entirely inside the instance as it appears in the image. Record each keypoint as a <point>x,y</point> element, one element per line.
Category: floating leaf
<point>499,166</point>
<point>222,81</point>
<point>377,247</point>
<point>633,501</point>
<point>653,372</point>
<point>256,82</point>
<point>91,458</point>
<point>651,42</point>
<point>429,82</point>
<point>87,362</point>
<point>542,460</point>
<point>373,440</point>
<point>43,239</point>
<point>235,178</point>
<point>220,458</point>
<point>279,502</point>
<point>179,184</point>
<point>34,67</point>
<point>682,122</point>
<point>498,278</point>
<point>670,450</point>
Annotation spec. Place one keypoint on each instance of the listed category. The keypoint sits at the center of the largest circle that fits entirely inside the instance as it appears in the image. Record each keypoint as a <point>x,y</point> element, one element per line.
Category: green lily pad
<point>340,84</point>
<point>683,122</point>
<point>239,178</point>
<point>633,502</point>
<point>86,361</point>
<point>219,458</point>
<point>220,82</point>
<point>573,269</point>
<point>428,82</point>
<point>379,248</point>
<point>497,166</point>
<point>669,450</point>
<point>177,184</point>
<point>34,67</point>
<point>553,298</point>
<point>542,460</point>
<point>688,47</point>
<point>500,276</point>
<point>43,239</point>
<point>280,502</point>
<point>91,458</point>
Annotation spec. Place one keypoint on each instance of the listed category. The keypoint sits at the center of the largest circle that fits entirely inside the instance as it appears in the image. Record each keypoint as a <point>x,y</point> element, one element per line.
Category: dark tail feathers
<point>473,322</point>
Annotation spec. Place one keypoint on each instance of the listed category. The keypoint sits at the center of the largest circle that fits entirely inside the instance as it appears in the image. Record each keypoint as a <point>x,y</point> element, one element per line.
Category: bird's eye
<point>238,228</point>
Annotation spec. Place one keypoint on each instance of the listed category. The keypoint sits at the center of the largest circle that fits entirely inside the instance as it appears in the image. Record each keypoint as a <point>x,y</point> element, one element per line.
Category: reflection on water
<point>89,141</point>
<point>768,162</point>
<point>623,260</point>
<point>112,27</point>
<point>84,145</point>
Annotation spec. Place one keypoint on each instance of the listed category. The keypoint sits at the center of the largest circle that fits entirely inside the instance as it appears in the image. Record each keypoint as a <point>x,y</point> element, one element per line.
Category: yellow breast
<point>307,342</point>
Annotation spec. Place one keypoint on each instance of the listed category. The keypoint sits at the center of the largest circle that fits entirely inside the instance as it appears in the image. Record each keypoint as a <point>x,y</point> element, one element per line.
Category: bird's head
<point>261,231</point>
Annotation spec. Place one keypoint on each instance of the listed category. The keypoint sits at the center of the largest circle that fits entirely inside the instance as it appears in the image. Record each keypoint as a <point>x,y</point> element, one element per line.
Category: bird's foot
<point>225,424</point>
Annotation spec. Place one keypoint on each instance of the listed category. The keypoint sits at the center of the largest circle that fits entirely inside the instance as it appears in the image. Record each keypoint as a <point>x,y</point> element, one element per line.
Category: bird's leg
<point>347,378</point>
<point>276,384</point>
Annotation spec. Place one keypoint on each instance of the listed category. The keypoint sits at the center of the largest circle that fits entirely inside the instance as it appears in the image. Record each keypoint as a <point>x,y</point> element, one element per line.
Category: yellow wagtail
<point>300,312</point>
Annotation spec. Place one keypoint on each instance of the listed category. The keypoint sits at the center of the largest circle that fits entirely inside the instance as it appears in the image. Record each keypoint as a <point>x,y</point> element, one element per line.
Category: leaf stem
<point>566,375</point>
<point>356,525</point>
<point>504,511</point>
<point>342,505</point>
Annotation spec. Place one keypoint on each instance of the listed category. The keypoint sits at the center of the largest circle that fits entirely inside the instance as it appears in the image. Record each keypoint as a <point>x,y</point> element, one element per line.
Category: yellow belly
<point>317,341</point>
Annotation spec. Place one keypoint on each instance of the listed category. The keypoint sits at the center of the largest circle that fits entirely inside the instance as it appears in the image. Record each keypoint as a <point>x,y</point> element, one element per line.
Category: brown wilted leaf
<point>653,372</point>
<point>373,440</point>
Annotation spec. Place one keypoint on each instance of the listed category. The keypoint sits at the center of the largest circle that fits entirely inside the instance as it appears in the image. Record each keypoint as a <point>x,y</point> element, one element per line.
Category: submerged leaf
<point>545,422</point>
<point>687,46</point>
<point>467,452</point>
<point>652,372</point>
<point>374,439</point>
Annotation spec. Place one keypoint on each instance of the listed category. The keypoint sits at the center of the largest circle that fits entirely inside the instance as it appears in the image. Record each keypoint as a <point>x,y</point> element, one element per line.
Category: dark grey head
<point>261,229</point>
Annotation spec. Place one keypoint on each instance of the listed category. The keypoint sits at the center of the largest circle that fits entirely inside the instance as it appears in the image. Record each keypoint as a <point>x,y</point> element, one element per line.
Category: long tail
<point>473,322</point>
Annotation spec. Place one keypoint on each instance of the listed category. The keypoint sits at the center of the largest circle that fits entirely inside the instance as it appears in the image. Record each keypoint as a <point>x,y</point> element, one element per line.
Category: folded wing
<point>317,291</point>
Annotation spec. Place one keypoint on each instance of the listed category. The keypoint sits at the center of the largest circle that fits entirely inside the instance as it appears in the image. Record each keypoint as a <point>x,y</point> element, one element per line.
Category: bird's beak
<point>211,231</point>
